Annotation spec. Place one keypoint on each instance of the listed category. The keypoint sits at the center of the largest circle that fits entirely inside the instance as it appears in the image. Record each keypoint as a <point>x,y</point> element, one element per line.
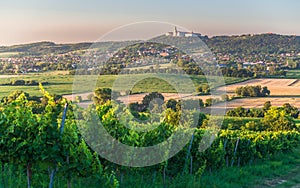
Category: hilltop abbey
<point>177,33</point>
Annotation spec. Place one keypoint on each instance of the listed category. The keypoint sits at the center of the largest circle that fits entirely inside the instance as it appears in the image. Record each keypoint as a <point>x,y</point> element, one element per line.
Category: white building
<point>177,33</point>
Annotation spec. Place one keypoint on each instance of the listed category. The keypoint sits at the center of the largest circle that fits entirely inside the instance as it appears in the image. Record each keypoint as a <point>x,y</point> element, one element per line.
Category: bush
<point>78,98</point>
<point>90,96</point>
<point>25,83</point>
<point>18,82</point>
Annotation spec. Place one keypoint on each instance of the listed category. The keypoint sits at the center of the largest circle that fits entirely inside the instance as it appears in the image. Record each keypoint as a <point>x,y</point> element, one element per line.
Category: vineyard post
<point>164,177</point>
<point>191,167</point>
<point>188,154</point>
<point>224,148</point>
<point>63,119</point>
<point>61,132</point>
<point>235,149</point>
<point>2,175</point>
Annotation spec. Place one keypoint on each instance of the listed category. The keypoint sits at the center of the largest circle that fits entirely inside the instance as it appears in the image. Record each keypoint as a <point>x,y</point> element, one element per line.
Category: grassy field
<point>293,74</point>
<point>8,54</point>
<point>60,83</point>
<point>281,170</point>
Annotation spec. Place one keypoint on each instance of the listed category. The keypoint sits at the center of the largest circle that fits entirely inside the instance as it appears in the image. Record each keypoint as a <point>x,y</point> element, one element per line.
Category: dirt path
<point>8,76</point>
<point>291,179</point>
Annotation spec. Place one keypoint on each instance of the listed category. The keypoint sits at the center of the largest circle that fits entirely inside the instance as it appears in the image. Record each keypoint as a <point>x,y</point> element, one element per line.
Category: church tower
<point>175,32</point>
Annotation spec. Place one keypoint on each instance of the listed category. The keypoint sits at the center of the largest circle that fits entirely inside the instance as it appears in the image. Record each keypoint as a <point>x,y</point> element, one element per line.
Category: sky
<point>69,21</point>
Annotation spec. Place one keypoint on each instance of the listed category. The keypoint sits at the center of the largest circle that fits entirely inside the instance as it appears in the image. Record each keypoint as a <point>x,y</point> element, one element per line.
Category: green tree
<point>267,106</point>
<point>102,95</point>
<point>152,96</point>
<point>265,91</point>
<point>78,99</point>
<point>291,110</point>
<point>172,103</point>
<point>277,120</point>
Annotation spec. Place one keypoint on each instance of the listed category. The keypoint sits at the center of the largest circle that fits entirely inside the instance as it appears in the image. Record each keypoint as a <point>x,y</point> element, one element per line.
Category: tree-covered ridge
<point>244,44</point>
<point>254,44</point>
<point>44,48</point>
<point>239,56</point>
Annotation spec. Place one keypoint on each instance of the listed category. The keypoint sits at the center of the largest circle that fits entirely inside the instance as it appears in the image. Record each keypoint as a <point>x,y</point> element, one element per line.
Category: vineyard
<point>44,146</point>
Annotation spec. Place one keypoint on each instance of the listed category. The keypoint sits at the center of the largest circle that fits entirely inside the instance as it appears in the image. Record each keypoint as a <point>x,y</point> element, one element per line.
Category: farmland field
<point>282,91</point>
<point>278,87</point>
<point>61,84</point>
<point>259,102</point>
<point>293,74</point>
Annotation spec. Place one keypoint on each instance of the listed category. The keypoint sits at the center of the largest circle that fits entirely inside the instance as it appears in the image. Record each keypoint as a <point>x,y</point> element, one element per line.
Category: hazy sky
<point>24,21</point>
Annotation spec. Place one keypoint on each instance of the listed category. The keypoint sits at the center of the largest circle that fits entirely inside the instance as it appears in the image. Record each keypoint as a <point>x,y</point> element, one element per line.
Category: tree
<point>90,96</point>
<point>13,96</point>
<point>265,91</point>
<point>78,98</point>
<point>158,97</point>
<point>252,91</point>
<point>102,95</point>
<point>277,120</point>
<point>267,106</point>
<point>237,112</point>
<point>291,110</point>
<point>224,97</point>
<point>203,89</point>
<point>201,103</point>
<point>172,103</point>
<point>208,102</point>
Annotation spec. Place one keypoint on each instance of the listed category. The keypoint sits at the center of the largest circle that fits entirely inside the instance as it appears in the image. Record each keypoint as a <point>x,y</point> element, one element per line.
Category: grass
<point>281,170</point>
<point>8,54</point>
<point>293,74</point>
<point>60,83</point>
<point>283,166</point>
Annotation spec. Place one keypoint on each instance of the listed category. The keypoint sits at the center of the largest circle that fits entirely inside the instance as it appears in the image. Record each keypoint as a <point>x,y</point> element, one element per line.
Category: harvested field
<point>282,87</point>
<point>287,89</point>
<point>259,102</point>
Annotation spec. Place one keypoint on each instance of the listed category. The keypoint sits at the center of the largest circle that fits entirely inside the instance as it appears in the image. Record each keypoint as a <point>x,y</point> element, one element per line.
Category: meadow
<point>293,74</point>
<point>62,84</point>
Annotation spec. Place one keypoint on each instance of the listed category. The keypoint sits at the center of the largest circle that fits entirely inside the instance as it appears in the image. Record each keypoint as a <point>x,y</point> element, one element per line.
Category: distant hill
<point>249,44</point>
<point>42,48</point>
<point>241,45</point>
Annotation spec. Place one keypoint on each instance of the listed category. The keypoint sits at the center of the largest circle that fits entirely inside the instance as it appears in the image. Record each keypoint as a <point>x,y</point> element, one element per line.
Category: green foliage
<point>24,83</point>
<point>242,112</point>
<point>211,101</point>
<point>102,95</point>
<point>291,110</point>
<point>172,104</point>
<point>36,141</point>
<point>277,119</point>
<point>78,99</point>
<point>267,106</point>
<point>90,96</point>
<point>152,96</point>
<point>203,89</point>
<point>252,91</point>
<point>152,102</point>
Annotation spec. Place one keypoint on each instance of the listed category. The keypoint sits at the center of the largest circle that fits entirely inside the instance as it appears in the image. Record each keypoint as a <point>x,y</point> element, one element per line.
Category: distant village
<point>68,61</point>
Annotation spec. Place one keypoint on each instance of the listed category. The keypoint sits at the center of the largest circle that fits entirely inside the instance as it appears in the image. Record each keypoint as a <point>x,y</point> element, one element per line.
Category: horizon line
<point>95,41</point>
